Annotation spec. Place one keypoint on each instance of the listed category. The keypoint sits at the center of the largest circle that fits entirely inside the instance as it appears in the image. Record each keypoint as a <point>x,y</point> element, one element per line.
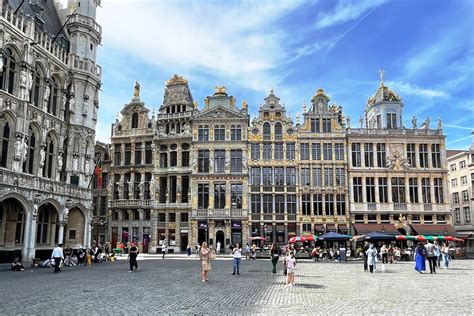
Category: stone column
<point>61,232</point>
<point>364,191</point>
<point>130,225</point>
<point>377,197</point>
<point>407,190</point>
<point>286,233</point>
<point>432,193</point>
<point>362,154</point>
<point>389,190</point>
<point>140,225</point>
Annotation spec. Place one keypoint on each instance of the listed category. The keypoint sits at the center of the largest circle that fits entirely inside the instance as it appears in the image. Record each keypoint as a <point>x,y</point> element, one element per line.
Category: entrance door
<point>146,241</point>
<point>184,241</point>
<point>114,237</point>
<point>220,238</point>
<point>201,236</point>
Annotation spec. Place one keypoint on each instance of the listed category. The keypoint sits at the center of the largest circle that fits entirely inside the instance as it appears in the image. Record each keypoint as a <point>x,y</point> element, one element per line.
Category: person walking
<point>132,257</point>
<point>57,256</point>
<point>205,254</point>
<point>189,250</point>
<point>384,252</point>
<point>290,269</point>
<point>274,254</point>
<point>237,257</point>
<point>163,250</point>
<point>420,254</point>
<point>364,255</point>
<point>431,256</point>
<point>371,257</point>
<point>218,248</point>
<point>437,250</point>
<point>247,252</point>
<point>445,253</point>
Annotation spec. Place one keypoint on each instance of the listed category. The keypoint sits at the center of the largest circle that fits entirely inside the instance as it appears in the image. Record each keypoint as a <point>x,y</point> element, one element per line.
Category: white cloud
<point>237,41</point>
<point>410,89</point>
<point>346,11</point>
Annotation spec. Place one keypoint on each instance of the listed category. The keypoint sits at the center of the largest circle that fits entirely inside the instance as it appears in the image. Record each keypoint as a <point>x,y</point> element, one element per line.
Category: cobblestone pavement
<point>173,286</point>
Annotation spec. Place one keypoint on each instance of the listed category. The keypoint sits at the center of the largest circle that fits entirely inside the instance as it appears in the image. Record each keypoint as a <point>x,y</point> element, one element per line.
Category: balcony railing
<point>371,206</point>
<point>23,180</point>
<point>400,206</point>
<point>162,116</point>
<point>131,203</point>
<point>79,18</point>
<point>85,64</point>
<point>428,206</point>
<point>219,213</point>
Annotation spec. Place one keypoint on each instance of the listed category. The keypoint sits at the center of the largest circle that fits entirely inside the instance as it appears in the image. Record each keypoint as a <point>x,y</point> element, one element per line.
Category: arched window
<point>35,93</point>
<point>135,120</point>
<point>278,131</point>
<point>266,131</point>
<point>6,138</point>
<point>49,158</point>
<point>7,76</point>
<point>28,165</point>
<point>54,98</point>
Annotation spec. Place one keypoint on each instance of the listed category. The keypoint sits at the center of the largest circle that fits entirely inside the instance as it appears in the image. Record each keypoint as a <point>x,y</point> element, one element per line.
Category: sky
<point>425,47</point>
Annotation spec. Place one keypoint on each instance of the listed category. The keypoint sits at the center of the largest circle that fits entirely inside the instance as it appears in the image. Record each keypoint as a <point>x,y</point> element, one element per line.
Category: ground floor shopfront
<point>32,228</point>
<point>223,231</point>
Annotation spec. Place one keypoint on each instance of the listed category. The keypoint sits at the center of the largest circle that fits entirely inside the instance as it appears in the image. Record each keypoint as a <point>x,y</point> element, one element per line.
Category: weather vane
<point>382,73</point>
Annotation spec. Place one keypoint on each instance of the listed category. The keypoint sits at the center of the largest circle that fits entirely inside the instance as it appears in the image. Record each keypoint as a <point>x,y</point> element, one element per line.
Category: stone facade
<point>461,191</point>
<point>214,177</point>
<point>99,193</point>
<point>48,112</point>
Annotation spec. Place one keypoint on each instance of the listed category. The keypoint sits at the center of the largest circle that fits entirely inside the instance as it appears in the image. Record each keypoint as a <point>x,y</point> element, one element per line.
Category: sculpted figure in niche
<point>24,149</point>
<point>440,123</point>
<point>47,91</point>
<point>87,167</point>
<point>29,82</point>
<point>141,188</point>
<point>120,189</point>
<point>17,150</point>
<point>23,83</point>
<point>75,163</point>
<point>60,161</point>
<point>42,156</point>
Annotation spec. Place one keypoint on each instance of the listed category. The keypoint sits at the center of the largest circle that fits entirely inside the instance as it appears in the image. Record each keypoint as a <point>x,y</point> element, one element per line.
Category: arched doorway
<point>47,230</point>
<point>12,229</point>
<point>220,238</point>
<point>74,231</point>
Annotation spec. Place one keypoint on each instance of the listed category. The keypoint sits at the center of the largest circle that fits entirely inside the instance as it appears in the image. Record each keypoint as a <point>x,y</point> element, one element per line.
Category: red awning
<point>381,228</point>
<point>434,229</point>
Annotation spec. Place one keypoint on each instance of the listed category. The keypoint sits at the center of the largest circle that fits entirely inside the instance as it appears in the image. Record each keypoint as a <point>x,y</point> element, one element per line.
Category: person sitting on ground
<point>46,264</point>
<point>16,265</point>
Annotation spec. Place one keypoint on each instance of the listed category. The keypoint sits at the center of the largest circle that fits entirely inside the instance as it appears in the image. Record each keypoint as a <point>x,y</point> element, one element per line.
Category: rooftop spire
<point>381,74</point>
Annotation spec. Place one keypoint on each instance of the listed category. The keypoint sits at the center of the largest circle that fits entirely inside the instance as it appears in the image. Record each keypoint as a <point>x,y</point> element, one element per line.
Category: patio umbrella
<point>379,236</point>
<point>332,236</point>
<point>440,238</point>
<point>258,238</point>
<point>308,238</point>
<point>296,239</point>
<point>402,237</point>
<point>430,238</point>
<point>449,238</point>
<point>358,237</point>
<point>458,240</point>
<point>420,238</point>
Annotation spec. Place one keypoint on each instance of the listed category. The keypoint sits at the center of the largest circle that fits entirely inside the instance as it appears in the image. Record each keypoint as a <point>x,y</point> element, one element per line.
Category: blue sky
<point>426,48</point>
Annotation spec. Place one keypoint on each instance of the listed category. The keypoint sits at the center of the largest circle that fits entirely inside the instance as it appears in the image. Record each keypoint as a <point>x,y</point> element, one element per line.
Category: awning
<point>319,228</point>
<point>433,229</point>
<point>330,227</point>
<point>381,228</point>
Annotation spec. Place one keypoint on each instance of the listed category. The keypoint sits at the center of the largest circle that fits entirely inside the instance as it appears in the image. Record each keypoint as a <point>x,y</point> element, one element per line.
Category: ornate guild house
<point>49,83</point>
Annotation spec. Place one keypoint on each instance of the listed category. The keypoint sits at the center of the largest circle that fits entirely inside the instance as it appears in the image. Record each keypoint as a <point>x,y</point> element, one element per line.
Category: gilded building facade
<point>397,175</point>
<point>219,177</point>
<point>48,113</point>
<point>273,164</point>
<point>322,169</point>
<point>99,193</point>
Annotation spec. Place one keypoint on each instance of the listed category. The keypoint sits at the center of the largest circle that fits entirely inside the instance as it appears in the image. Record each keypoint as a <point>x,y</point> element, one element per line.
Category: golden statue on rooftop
<point>220,90</point>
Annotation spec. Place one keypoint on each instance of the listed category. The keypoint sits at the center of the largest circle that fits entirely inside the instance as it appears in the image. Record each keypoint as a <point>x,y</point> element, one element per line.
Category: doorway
<point>220,238</point>
<point>184,241</point>
<point>146,242</point>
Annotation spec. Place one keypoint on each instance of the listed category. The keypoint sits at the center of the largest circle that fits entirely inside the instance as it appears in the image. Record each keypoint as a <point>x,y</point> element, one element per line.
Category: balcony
<point>428,206</point>
<point>21,181</point>
<point>371,206</point>
<point>165,116</point>
<point>86,65</point>
<point>399,206</point>
<point>131,203</point>
<point>219,213</point>
<point>90,22</point>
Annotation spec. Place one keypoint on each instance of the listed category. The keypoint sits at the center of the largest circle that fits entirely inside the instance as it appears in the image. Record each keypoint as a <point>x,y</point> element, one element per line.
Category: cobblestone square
<point>173,286</point>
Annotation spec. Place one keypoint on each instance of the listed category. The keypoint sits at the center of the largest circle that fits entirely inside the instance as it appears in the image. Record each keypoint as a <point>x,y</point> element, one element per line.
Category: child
<point>89,257</point>
<point>290,269</point>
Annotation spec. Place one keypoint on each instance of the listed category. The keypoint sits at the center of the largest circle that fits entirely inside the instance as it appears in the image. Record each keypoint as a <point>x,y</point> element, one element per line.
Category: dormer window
<point>326,125</point>
<point>135,120</point>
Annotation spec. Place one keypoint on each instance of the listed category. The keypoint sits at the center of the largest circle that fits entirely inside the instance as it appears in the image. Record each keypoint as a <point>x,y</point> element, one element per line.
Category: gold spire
<point>381,74</point>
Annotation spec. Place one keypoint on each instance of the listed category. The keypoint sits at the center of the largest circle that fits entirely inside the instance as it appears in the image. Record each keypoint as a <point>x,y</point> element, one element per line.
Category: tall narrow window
<point>411,155</point>
<point>35,96</point>
<point>318,204</point>
<point>163,189</point>
<point>138,153</point>
<point>128,154</point>
<point>329,204</point>
<point>173,155</point>
<point>203,195</point>
<point>426,190</point>
<point>203,133</point>
<point>185,155</point>
<point>267,151</point>
<point>315,126</point>
<point>173,189</point>
<point>28,165</point>
<point>291,204</point>
<point>316,151</point>
<point>267,176</point>
<point>413,188</point>
<point>135,120</point>
<point>306,204</point>
<point>49,157</point>
<point>7,76</point>
<point>184,189</point>
<point>255,203</point>
<point>255,151</point>
<point>279,179</point>
<point>278,131</point>
<point>398,190</point>
<point>219,133</point>
<point>424,155</point>
<point>438,190</point>
<point>356,159</point>
<point>136,185</point>
<point>267,203</point>
<point>383,190</point>
<point>328,177</point>
<point>436,156</point>
<point>290,177</point>
<point>235,132</point>
<point>53,98</point>
<point>148,153</point>
<point>278,151</point>
<point>117,154</point>
<point>126,192</point>
<point>369,155</point>
<point>317,177</point>
<point>290,151</point>
<point>6,138</point>
<point>236,195</point>
<point>326,125</point>
<point>341,204</point>
<point>304,151</point>
<point>370,189</point>
<point>255,176</point>
<point>203,160</point>
<point>219,161</point>
<point>391,120</point>
<point>305,177</point>
<point>357,189</point>
<point>340,177</point>
<point>339,151</point>
<point>327,151</point>
<point>236,160</point>
<point>266,131</point>
<point>279,203</point>
<point>381,155</point>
